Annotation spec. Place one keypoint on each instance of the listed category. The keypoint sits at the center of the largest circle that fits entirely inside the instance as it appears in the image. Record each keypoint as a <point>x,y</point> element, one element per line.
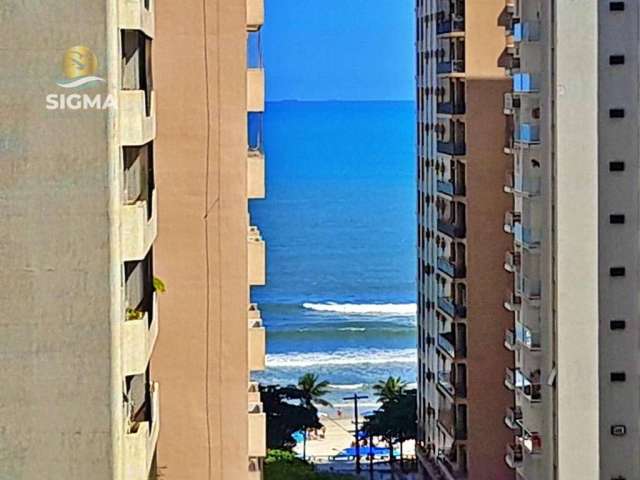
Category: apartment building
<point>572,132</point>
<point>79,213</point>
<point>461,242</point>
<point>210,163</point>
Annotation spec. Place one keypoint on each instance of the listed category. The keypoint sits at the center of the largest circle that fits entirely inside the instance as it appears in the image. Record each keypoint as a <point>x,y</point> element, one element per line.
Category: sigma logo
<point>79,66</point>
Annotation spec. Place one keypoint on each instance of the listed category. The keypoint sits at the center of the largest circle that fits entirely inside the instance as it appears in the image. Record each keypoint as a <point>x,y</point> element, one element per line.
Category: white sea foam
<point>400,309</point>
<point>355,386</point>
<point>347,357</point>
<point>352,329</point>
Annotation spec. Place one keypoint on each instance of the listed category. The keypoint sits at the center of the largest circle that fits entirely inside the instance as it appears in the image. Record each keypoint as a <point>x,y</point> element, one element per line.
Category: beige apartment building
<point>210,162</point>
<point>121,119</point>
<point>79,314</point>
<point>572,117</point>
<point>461,242</point>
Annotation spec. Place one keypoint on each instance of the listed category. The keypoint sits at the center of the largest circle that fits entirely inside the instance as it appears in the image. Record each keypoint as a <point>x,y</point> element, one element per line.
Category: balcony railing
<point>511,103</point>
<point>450,24</point>
<point>451,107</point>
<point>512,261</point>
<point>510,378</point>
<point>514,455</point>
<point>140,441</point>
<point>527,133</point>
<point>528,288</point>
<point>455,230</point>
<point>257,431</point>
<point>454,346</point>
<point>526,32</point>
<point>451,268</point>
<point>451,188</point>
<point>512,302</point>
<point>511,219</point>
<point>452,147</point>
<point>513,417</point>
<point>527,337</point>
<point>519,184</point>
<point>257,257</point>
<point>524,83</point>
<point>451,308</point>
<point>510,339</point>
<point>451,387</point>
<point>255,15</point>
<point>450,66</point>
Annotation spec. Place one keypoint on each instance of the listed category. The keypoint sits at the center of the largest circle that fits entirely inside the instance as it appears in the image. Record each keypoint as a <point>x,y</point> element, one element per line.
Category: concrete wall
<point>201,158</point>
<point>55,251</point>
<point>577,240</point>
<point>618,243</point>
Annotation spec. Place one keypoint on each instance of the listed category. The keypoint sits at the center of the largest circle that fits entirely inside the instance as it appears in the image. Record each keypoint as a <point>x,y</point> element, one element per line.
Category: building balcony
<point>139,228</point>
<point>454,230</point>
<point>528,288</point>
<point>450,24</point>
<point>446,67</point>
<point>524,83</point>
<point>513,302</point>
<point>510,339</point>
<point>257,252</point>
<point>255,90</point>
<point>451,466</point>
<point>510,64</point>
<point>527,133</point>
<point>512,261</point>
<point>451,108</point>
<point>511,103</point>
<point>140,441</point>
<point>514,456</point>
<point>527,237</point>
<point>452,388</point>
<point>137,15</point>
<point>450,268</point>
<point>448,306</point>
<point>526,32</point>
<point>452,148</point>
<point>139,333</point>
<point>524,186</point>
<point>450,188</point>
<point>527,337</point>
<point>257,431</point>
<point>510,378</point>
<point>531,390</point>
<point>137,119</point>
<point>255,15</point>
<point>255,174</point>
<point>254,392</point>
<point>513,418</point>
<point>257,340</point>
<point>255,469</point>
<point>454,347</point>
<point>511,220</point>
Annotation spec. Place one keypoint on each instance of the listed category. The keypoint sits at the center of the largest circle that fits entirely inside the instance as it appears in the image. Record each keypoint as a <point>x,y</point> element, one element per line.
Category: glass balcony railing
<point>451,268</point>
<point>455,230</point>
<point>255,125</point>
<point>451,107</point>
<point>452,147</point>
<point>527,133</point>
<point>527,337</point>
<point>524,83</point>
<point>254,50</point>
<point>451,308</point>
<point>526,32</point>
<point>450,66</point>
<point>449,24</point>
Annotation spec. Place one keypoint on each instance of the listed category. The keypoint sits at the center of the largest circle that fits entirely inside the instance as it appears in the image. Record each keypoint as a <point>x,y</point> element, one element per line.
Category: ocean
<point>339,222</point>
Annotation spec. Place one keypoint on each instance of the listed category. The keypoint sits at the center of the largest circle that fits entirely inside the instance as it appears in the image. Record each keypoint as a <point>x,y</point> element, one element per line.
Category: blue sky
<point>339,49</point>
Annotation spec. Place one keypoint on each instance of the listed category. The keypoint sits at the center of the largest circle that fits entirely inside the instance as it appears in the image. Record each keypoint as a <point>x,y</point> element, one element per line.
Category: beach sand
<point>339,435</point>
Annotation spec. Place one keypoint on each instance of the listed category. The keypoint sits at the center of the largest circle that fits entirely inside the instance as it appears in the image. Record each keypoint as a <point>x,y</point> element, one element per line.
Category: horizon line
<point>340,100</point>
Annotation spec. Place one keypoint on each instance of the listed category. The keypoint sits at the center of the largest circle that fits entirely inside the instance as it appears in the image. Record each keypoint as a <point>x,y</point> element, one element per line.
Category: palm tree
<point>390,389</point>
<point>315,390</point>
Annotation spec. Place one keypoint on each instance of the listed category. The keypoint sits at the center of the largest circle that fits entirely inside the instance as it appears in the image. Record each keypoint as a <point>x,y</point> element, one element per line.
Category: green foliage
<point>396,420</point>
<point>158,285</point>
<point>309,384</point>
<point>288,410</point>
<point>389,389</point>
<point>133,314</point>
<point>284,465</point>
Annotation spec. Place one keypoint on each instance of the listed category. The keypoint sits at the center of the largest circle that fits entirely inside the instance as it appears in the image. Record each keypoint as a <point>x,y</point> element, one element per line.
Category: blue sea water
<point>340,229</point>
